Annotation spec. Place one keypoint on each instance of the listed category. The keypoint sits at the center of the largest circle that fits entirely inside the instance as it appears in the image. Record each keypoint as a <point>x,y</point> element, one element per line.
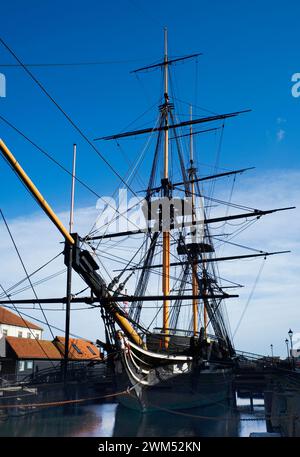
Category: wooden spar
<point>194,265</point>
<point>204,178</point>
<point>106,300</point>
<point>122,321</point>
<point>35,192</point>
<point>219,175</point>
<point>173,126</point>
<point>207,260</point>
<point>256,213</point>
<point>166,234</point>
<point>149,67</point>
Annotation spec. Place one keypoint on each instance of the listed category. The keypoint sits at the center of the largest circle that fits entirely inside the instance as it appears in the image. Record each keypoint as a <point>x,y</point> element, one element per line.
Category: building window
<point>20,334</point>
<point>76,348</point>
<point>91,350</point>
<point>28,335</point>
<point>29,365</point>
<point>21,365</point>
<point>37,336</point>
<point>4,331</point>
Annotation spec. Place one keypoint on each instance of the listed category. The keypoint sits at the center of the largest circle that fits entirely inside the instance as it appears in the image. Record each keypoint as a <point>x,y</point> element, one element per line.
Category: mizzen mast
<point>195,287</point>
<point>166,234</point>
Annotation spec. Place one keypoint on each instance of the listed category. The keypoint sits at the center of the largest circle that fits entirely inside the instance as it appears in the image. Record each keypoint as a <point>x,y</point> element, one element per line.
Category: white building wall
<point>20,332</point>
<point>2,348</point>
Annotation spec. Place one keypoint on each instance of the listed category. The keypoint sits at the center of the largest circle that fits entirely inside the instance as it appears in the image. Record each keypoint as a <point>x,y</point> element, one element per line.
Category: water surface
<point>111,419</point>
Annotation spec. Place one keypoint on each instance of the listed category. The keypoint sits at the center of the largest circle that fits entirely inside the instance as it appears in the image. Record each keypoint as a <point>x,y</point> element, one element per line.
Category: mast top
<point>166,43</point>
<point>166,69</point>
<point>166,60</point>
<point>191,137</point>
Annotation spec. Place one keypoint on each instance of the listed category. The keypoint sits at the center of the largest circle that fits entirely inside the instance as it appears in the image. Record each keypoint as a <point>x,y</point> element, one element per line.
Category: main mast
<point>166,234</point>
<point>195,264</point>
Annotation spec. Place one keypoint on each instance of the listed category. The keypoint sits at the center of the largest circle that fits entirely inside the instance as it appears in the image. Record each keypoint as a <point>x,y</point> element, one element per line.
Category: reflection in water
<point>217,420</point>
<point>90,420</point>
<point>111,419</point>
<point>249,426</point>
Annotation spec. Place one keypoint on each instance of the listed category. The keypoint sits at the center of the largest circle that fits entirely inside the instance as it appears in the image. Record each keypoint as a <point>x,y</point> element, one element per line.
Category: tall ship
<point>166,326</point>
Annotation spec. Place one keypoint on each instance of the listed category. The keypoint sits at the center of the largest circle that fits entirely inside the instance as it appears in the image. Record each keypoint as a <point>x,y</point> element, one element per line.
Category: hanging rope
<point>250,296</point>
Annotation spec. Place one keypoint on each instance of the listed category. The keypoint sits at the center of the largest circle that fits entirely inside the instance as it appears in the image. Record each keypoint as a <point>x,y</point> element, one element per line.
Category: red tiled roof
<point>9,318</point>
<point>78,349</point>
<point>27,348</point>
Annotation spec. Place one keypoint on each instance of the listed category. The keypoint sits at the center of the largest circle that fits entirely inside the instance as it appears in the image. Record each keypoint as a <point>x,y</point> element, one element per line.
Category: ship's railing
<point>180,332</point>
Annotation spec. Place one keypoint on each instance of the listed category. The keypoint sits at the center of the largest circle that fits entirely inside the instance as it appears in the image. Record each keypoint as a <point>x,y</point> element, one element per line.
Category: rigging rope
<point>30,330</point>
<point>69,119</point>
<point>43,322</point>
<point>107,225</point>
<point>33,273</point>
<point>36,283</point>
<point>25,269</point>
<point>62,167</point>
<point>69,64</point>
<point>250,296</point>
<point>64,402</point>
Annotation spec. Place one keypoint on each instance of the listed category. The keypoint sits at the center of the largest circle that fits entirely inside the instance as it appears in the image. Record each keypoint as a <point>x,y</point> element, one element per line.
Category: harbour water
<point>111,419</point>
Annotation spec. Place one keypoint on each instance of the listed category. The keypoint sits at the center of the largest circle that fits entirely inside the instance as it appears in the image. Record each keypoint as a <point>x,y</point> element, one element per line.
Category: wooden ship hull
<point>162,382</point>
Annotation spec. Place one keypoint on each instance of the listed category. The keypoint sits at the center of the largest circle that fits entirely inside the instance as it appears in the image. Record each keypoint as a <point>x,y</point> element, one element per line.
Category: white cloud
<point>280,135</point>
<point>274,307</point>
<point>280,120</point>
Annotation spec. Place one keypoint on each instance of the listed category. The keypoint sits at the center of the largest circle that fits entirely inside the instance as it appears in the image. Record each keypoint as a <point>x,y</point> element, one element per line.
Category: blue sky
<point>250,52</point>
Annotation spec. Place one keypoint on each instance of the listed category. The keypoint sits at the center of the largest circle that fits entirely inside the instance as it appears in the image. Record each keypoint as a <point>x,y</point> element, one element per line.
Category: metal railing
<point>250,355</point>
<point>83,372</point>
<point>249,359</point>
<point>8,380</point>
<point>75,373</point>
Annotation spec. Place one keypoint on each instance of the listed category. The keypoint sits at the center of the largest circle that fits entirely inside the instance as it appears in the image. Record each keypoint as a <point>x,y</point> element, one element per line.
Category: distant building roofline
<point>7,317</point>
<point>32,349</point>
